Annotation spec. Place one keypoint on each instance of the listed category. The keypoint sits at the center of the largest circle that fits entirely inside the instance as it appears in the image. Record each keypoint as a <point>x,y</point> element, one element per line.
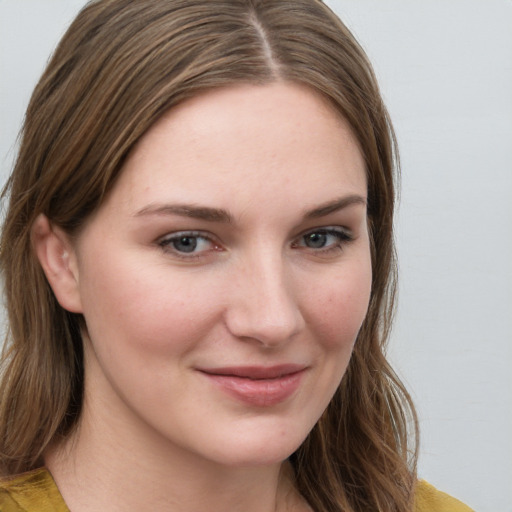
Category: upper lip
<point>255,372</point>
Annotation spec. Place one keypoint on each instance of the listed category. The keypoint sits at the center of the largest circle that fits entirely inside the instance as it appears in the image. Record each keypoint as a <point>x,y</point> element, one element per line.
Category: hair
<point>121,65</point>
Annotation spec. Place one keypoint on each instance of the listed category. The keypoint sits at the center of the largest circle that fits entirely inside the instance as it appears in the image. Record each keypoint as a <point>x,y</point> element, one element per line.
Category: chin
<point>263,448</point>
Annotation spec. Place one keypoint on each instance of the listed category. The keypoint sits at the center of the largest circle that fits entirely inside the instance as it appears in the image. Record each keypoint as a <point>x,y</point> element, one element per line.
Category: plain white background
<point>445,69</point>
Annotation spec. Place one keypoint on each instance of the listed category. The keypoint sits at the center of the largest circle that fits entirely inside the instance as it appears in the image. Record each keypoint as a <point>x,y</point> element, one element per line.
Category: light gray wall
<point>445,70</point>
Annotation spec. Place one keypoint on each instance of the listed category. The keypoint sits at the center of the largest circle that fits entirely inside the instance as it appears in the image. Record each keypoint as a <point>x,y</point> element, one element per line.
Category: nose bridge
<point>264,306</point>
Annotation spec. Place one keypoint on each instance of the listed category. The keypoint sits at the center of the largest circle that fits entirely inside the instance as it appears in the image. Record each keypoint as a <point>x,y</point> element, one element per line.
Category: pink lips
<point>257,385</point>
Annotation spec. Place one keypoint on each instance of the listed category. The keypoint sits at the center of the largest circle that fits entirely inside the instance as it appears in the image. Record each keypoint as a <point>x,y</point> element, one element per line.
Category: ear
<point>58,259</point>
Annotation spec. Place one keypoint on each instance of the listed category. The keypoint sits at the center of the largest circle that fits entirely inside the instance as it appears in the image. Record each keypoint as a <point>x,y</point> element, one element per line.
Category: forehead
<point>237,143</point>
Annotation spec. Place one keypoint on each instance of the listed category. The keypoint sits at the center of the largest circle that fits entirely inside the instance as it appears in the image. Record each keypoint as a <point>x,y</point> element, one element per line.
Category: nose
<point>263,306</point>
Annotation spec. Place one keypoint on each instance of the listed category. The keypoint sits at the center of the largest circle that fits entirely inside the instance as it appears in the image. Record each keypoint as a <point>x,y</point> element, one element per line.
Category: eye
<point>187,244</point>
<point>324,239</point>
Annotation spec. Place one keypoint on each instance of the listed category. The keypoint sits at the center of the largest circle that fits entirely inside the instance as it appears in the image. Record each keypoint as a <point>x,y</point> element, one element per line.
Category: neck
<point>99,467</point>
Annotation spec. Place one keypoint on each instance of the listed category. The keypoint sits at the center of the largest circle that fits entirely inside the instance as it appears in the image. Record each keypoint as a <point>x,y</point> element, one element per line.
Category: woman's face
<point>225,278</point>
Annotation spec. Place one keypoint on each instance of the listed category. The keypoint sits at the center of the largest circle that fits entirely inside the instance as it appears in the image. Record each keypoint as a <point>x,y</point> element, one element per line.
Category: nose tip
<point>265,309</point>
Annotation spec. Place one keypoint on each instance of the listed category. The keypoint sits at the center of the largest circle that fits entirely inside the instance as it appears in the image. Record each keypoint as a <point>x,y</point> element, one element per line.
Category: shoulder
<point>34,491</point>
<point>429,499</point>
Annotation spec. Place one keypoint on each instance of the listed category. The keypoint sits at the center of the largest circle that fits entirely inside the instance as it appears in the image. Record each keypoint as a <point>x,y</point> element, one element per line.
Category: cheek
<point>145,308</point>
<point>338,310</point>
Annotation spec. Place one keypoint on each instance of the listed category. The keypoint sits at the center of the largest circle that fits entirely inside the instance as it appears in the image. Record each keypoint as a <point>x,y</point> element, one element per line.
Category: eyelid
<point>165,243</point>
<point>327,229</point>
<point>343,234</point>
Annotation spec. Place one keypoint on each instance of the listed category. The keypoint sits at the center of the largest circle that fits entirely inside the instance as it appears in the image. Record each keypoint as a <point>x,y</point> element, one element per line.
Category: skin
<point>280,274</point>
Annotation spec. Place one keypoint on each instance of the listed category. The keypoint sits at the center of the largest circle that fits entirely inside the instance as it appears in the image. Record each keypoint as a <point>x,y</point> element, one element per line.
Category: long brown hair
<point>119,67</point>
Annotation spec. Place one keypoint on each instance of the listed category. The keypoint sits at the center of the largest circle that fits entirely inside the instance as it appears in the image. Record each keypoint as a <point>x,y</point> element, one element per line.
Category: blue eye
<point>186,243</point>
<point>316,240</point>
<point>324,239</point>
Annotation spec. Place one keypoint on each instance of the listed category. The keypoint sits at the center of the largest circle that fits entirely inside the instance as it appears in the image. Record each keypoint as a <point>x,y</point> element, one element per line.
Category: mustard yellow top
<point>31,492</point>
<point>36,492</point>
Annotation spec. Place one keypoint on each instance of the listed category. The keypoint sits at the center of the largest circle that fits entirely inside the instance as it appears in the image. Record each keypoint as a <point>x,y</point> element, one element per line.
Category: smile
<point>257,386</point>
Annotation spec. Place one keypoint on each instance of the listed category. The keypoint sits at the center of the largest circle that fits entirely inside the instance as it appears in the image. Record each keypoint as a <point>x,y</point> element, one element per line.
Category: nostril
<point>270,326</point>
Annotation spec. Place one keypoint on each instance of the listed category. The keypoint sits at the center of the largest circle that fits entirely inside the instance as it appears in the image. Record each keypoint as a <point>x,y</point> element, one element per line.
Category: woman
<point>199,266</point>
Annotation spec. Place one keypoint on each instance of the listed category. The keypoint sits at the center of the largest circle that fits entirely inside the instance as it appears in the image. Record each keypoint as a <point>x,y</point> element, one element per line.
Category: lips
<point>257,385</point>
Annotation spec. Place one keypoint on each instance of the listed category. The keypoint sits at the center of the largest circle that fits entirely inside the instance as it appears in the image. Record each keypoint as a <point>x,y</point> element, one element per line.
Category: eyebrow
<point>220,215</point>
<point>334,206</point>
<point>188,210</point>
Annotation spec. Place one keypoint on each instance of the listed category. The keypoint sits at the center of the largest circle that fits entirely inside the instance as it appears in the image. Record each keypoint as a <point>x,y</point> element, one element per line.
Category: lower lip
<point>261,392</point>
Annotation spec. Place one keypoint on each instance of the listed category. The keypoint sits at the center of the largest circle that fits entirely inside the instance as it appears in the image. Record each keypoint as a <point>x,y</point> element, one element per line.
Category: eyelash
<point>167,243</point>
<point>342,235</point>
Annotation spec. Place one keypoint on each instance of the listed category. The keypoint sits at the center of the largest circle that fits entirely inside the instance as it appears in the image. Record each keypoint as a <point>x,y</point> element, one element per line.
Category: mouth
<point>257,386</point>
